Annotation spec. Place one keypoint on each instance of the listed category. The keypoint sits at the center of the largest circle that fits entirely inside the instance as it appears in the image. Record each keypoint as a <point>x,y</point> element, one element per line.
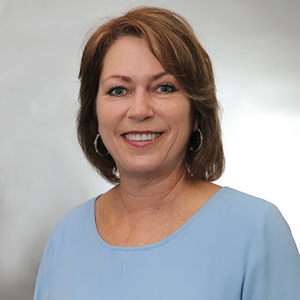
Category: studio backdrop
<point>254,47</point>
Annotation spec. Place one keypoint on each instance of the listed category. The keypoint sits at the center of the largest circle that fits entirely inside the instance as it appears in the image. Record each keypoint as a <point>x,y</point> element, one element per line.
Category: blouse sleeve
<point>273,266</point>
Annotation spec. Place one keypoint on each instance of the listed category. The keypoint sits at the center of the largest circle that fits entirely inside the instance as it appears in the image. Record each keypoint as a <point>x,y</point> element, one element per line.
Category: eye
<point>166,88</point>
<point>117,91</point>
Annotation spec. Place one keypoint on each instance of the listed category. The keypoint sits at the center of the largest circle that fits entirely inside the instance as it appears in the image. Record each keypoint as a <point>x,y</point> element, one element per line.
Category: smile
<point>141,137</point>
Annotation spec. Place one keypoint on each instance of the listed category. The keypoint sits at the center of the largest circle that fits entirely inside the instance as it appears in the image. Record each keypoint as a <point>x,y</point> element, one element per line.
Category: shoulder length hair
<point>173,42</point>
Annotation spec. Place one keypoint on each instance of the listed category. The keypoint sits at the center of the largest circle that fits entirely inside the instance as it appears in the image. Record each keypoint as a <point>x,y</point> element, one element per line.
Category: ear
<point>195,116</point>
<point>195,124</point>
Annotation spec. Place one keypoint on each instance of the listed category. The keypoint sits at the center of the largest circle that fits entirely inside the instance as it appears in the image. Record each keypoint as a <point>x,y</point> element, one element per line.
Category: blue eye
<point>166,88</point>
<point>117,91</point>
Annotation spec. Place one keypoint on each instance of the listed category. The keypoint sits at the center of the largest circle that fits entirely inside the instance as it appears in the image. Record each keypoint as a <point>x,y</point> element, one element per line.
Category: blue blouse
<point>236,247</point>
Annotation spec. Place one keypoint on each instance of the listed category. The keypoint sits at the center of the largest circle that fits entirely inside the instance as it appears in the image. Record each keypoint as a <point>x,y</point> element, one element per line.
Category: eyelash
<point>169,86</point>
<point>166,85</point>
<point>113,89</point>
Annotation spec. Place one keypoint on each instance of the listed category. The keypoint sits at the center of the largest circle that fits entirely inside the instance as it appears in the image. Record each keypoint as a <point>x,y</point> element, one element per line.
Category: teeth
<point>142,137</point>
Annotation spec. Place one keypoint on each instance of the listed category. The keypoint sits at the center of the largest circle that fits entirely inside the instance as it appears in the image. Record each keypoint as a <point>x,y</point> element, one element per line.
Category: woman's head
<point>174,44</point>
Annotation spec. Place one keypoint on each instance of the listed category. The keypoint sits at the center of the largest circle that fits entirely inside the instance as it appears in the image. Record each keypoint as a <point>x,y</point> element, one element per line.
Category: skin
<point>137,96</point>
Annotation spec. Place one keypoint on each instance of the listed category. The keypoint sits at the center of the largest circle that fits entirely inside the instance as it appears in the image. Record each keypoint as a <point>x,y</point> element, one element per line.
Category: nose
<point>141,106</point>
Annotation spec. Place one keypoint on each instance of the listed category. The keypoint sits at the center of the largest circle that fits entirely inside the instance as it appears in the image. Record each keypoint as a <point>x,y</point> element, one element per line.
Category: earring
<point>198,137</point>
<point>96,146</point>
<point>188,169</point>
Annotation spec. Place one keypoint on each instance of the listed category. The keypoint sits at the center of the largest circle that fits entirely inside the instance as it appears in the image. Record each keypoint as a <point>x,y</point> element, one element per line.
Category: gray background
<point>254,46</point>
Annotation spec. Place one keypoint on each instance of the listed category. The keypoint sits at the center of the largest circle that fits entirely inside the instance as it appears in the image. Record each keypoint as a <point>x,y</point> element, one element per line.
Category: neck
<point>138,195</point>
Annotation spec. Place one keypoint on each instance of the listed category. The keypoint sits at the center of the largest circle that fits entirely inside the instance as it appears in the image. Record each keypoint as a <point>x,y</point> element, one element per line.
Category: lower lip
<point>141,143</point>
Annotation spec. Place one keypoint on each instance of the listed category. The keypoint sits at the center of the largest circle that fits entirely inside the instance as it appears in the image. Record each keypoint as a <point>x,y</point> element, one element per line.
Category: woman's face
<point>144,117</point>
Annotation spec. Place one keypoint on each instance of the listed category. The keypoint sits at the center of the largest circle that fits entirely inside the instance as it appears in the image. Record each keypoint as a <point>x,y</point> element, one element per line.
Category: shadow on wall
<point>18,289</point>
<point>21,287</point>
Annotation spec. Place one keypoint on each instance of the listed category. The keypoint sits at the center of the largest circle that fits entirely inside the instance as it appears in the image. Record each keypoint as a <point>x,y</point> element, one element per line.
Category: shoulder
<point>77,222</point>
<point>245,215</point>
<point>272,262</point>
<point>244,205</point>
<point>68,241</point>
<point>78,213</point>
<point>261,218</point>
<point>81,211</point>
<point>238,197</point>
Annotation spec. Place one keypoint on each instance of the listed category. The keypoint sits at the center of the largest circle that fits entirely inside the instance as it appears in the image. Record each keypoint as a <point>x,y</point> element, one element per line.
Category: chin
<point>141,168</point>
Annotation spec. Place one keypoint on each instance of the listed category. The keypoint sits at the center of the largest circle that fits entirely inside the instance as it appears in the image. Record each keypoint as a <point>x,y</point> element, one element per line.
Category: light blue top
<point>235,247</point>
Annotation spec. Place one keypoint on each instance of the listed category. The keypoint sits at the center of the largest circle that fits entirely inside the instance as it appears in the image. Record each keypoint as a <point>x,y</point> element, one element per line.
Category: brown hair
<point>174,44</point>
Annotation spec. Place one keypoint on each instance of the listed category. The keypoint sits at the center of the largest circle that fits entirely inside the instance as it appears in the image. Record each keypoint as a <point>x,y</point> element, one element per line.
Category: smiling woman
<point>144,118</point>
<point>172,43</point>
<point>148,122</point>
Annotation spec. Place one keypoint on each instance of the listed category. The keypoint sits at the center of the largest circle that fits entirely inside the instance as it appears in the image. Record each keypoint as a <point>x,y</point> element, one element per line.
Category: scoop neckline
<point>160,243</point>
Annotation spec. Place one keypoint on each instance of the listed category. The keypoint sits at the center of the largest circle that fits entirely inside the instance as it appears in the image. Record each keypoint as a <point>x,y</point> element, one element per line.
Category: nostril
<point>140,108</point>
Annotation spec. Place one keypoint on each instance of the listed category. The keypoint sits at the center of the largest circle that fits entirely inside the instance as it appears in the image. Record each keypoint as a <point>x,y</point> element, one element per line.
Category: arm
<point>273,265</point>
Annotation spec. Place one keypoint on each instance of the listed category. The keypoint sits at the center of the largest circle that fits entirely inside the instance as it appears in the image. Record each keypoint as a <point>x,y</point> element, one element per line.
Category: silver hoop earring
<point>96,146</point>
<point>198,139</point>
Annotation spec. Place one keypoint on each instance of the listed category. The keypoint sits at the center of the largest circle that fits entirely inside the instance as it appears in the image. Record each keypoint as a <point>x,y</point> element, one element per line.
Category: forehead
<point>130,56</point>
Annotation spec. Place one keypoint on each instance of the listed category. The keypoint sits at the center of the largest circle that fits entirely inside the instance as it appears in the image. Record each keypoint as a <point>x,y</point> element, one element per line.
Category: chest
<point>168,272</point>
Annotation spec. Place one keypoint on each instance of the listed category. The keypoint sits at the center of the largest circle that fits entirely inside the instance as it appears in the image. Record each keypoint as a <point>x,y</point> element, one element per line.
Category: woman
<point>148,122</point>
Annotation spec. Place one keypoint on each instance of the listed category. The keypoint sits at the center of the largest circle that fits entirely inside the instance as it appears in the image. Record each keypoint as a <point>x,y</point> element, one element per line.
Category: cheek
<point>104,123</point>
<point>102,116</point>
<point>109,117</point>
<point>182,114</point>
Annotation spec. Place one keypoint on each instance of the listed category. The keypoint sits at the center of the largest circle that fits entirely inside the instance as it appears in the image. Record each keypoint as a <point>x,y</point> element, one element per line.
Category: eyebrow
<point>159,75</point>
<point>128,79</point>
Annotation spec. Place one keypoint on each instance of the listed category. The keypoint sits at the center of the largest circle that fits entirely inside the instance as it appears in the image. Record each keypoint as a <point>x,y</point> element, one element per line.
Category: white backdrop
<point>254,46</point>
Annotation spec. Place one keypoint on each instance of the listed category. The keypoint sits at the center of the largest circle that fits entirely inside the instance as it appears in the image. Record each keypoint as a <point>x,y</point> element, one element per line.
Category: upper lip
<point>141,132</point>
